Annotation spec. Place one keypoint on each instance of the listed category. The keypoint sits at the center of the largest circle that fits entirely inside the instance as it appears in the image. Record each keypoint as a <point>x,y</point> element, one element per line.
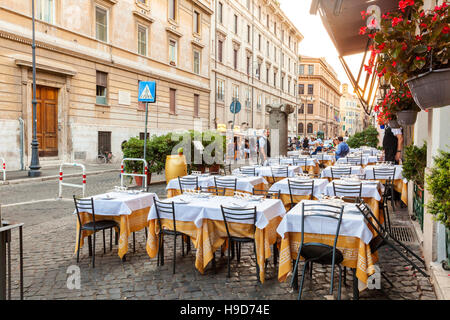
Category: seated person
<point>342,149</point>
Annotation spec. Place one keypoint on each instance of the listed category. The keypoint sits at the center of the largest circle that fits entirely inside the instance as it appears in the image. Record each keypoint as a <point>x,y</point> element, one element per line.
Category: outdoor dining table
<point>371,193</point>
<point>243,184</point>
<point>129,208</point>
<point>366,160</point>
<point>283,187</point>
<point>266,171</point>
<point>353,241</point>
<point>400,183</point>
<point>325,159</point>
<point>312,164</point>
<point>201,219</point>
<point>326,173</point>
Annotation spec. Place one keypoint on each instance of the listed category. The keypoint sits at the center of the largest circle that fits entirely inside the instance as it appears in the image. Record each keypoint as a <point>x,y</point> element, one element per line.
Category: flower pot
<point>215,168</point>
<point>407,117</point>
<point>430,90</point>
<point>140,180</point>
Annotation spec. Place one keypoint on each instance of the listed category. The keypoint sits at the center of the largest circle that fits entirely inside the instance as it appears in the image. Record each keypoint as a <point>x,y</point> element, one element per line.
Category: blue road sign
<point>147,91</point>
<point>235,106</point>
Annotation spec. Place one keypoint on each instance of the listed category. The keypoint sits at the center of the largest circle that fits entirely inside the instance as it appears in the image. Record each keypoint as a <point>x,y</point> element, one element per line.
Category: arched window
<point>310,128</point>
<point>300,127</point>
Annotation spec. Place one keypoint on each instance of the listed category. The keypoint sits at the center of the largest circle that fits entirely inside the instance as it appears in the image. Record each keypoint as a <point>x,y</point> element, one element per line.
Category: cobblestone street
<point>49,239</point>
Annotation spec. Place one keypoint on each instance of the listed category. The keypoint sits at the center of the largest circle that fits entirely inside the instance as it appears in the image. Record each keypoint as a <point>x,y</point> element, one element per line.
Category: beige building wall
<point>319,104</point>
<point>353,117</point>
<point>68,56</point>
<point>261,45</point>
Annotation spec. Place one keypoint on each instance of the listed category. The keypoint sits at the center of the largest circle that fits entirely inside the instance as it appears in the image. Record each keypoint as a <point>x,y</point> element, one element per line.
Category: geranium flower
<point>446,30</point>
<point>363,30</point>
<point>396,21</point>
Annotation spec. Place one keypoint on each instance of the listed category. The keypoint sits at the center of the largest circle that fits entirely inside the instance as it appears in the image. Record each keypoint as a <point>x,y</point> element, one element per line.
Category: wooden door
<point>47,121</point>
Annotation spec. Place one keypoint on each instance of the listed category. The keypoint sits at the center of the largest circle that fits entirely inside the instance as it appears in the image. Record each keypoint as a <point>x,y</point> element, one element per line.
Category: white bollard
<point>3,168</point>
<point>61,183</point>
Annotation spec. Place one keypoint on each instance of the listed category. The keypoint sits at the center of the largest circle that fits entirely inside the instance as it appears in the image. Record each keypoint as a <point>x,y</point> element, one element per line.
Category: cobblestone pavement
<point>49,237</point>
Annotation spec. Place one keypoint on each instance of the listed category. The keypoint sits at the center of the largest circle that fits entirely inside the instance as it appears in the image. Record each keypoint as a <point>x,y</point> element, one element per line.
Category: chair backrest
<point>380,233</point>
<point>349,191</point>
<point>224,183</point>
<point>300,162</point>
<point>384,173</point>
<point>319,156</point>
<point>336,173</point>
<point>329,212</point>
<point>238,214</point>
<point>294,185</point>
<point>281,171</point>
<point>267,194</point>
<point>167,208</point>
<point>248,171</point>
<point>190,183</point>
<point>289,161</point>
<point>84,205</point>
<point>354,160</point>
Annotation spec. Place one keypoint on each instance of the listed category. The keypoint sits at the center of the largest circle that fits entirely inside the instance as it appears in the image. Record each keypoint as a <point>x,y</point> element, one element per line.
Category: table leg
<point>355,286</point>
<point>90,245</point>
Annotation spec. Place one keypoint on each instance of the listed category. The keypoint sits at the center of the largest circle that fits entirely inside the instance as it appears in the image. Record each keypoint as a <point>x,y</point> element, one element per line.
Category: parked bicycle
<point>104,157</point>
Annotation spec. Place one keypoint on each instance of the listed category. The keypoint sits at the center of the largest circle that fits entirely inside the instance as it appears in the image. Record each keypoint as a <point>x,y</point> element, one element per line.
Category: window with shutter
<point>101,88</point>
<point>172,101</point>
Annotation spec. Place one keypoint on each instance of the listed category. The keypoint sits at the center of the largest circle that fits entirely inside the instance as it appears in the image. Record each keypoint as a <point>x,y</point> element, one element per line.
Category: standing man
<point>342,149</point>
<point>393,142</point>
<point>264,146</point>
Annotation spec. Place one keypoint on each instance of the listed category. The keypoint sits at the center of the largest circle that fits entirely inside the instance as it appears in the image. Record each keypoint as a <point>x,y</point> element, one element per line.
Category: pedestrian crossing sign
<point>147,91</point>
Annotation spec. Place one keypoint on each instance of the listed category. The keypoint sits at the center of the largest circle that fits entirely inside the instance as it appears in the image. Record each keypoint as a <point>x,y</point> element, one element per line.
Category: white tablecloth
<point>266,171</point>
<point>326,173</point>
<point>121,203</point>
<point>365,159</point>
<point>242,184</point>
<point>283,187</point>
<point>326,157</point>
<point>398,172</point>
<point>353,223</point>
<point>369,189</point>
<point>309,161</point>
<point>196,209</point>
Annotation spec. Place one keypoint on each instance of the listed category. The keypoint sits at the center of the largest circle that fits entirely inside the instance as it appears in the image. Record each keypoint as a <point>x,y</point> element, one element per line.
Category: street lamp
<point>34,166</point>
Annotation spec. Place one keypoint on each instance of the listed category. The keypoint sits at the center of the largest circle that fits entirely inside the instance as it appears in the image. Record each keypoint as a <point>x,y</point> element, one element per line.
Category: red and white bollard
<point>61,183</point>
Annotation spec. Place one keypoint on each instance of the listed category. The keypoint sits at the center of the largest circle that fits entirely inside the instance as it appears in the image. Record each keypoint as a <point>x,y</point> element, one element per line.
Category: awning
<point>342,20</point>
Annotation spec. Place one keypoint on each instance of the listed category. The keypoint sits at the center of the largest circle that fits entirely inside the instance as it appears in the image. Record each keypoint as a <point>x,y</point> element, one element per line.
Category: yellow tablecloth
<point>212,235</point>
<point>356,253</point>
<point>134,222</point>
<point>229,192</point>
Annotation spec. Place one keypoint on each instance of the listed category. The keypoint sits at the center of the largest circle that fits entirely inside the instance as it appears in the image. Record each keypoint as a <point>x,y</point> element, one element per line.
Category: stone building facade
<point>90,57</point>
<point>255,61</point>
<point>319,98</point>
<point>353,117</point>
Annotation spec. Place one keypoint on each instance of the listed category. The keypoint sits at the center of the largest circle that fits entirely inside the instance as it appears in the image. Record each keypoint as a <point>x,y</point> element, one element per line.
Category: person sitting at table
<point>342,149</point>
<point>318,148</point>
<point>305,143</point>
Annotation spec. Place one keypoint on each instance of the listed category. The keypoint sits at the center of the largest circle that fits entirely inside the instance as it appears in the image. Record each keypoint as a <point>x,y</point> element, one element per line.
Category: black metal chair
<point>248,171</point>
<point>87,205</point>
<point>277,172</point>
<point>239,215</point>
<point>337,173</point>
<point>349,192</point>
<point>294,186</point>
<point>387,175</point>
<point>301,162</point>
<point>383,237</point>
<point>227,169</point>
<point>222,184</point>
<point>190,183</point>
<point>319,252</point>
<point>355,160</point>
<point>168,209</point>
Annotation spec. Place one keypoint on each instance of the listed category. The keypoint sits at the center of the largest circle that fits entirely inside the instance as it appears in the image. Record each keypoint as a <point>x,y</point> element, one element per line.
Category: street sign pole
<point>145,133</point>
<point>234,113</point>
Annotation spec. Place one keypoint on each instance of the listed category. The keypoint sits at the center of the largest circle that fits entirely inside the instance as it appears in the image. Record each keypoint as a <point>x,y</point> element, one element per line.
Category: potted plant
<point>180,151</point>
<point>158,147</point>
<point>438,184</point>
<point>414,45</point>
<point>398,104</point>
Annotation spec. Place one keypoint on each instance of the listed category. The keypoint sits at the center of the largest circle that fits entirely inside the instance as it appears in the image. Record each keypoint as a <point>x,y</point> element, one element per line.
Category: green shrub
<point>415,161</point>
<point>367,137</point>
<point>438,184</point>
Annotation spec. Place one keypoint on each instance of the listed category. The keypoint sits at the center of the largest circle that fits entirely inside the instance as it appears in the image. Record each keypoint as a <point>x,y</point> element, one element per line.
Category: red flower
<point>422,14</point>
<point>371,35</point>
<point>381,46</point>
<point>396,21</point>
<point>446,30</point>
<point>404,46</point>
<point>394,63</point>
<point>423,25</point>
<point>363,30</point>
<point>418,37</point>
<point>434,18</point>
<point>428,48</point>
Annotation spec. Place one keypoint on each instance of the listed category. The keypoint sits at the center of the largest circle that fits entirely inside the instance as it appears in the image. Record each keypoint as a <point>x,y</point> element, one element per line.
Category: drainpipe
<point>22,167</point>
